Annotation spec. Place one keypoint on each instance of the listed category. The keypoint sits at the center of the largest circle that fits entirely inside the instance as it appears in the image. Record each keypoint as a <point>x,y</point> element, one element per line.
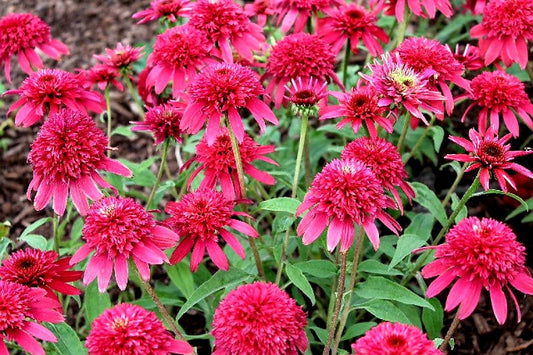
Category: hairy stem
<point>345,62</point>
<point>454,185</point>
<point>134,94</point>
<point>164,155</point>
<point>450,332</point>
<point>405,128</point>
<point>108,114</point>
<point>420,140</point>
<point>338,303</point>
<point>55,231</point>
<point>299,155</point>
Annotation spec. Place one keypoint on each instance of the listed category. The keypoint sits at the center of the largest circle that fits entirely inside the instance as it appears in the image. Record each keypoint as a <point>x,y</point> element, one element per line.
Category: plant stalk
<point>405,128</point>
<point>338,303</point>
<point>55,231</point>
<point>454,185</point>
<point>345,62</point>
<point>133,93</point>
<point>108,118</point>
<point>450,332</point>
<point>164,155</point>
<point>420,140</point>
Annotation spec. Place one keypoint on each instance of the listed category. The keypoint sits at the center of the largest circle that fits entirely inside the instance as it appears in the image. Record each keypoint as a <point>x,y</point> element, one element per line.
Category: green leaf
<point>357,330</point>
<point>68,342</point>
<point>181,276</point>
<point>34,226</point>
<point>123,131</point>
<point>220,280</point>
<point>95,302</point>
<point>498,192</point>
<point>298,279</point>
<point>375,267</point>
<point>35,241</point>
<point>438,136</point>
<point>429,200</point>
<point>4,243</point>
<point>406,244</point>
<point>384,310</point>
<point>280,204</point>
<point>4,229</point>
<point>464,211</point>
<point>377,287</point>
<point>433,320</point>
<point>318,268</point>
<point>521,209</point>
<point>421,225</point>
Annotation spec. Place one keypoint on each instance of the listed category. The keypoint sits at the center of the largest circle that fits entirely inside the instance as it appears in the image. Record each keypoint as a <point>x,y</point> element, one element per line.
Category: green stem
<point>307,161</point>
<point>450,332</point>
<point>57,237</point>
<point>451,220</point>
<point>405,128</point>
<point>346,61</point>
<point>164,155</point>
<point>134,94</point>
<point>400,34</point>
<point>456,182</point>
<point>353,278</point>
<point>240,176</point>
<point>108,114</point>
<point>299,155</point>
<point>419,141</point>
<point>338,303</point>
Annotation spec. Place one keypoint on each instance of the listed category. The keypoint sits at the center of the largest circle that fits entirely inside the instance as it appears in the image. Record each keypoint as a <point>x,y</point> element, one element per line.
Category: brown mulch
<point>88,27</point>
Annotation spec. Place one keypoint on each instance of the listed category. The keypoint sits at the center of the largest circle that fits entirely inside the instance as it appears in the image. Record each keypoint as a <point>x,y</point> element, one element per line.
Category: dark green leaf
<point>95,302</point>
<point>406,244</point>
<point>498,192</point>
<point>438,136</point>
<point>357,330</point>
<point>384,310</point>
<point>429,200</point>
<point>433,320</point>
<point>68,342</point>
<point>280,204</point>
<point>35,241</point>
<point>318,268</point>
<point>464,211</point>
<point>181,276</point>
<point>375,267</point>
<point>34,226</point>
<point>298,279</point>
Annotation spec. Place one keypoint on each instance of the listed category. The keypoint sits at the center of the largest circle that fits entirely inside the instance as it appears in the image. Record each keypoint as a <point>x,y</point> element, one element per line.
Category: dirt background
<point>88,27</point>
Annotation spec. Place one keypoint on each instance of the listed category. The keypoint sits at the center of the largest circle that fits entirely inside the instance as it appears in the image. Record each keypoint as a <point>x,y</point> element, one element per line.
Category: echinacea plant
<point>264,185</point>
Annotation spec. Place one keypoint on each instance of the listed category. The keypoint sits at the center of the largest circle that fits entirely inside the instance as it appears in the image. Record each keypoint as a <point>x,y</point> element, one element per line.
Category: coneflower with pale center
<point>20,34</point>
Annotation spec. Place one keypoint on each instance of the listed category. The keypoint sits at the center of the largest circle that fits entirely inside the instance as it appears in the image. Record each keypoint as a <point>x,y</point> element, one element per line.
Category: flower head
<point>218,164</point>
<point>307,95</point>
<point>359,106</point>
<point>63,159</point>
<point>131,329</point>
<point>121,58</point>
<point>298,55</point>
<point>385,161</point>
<point>423,54</point>
<point>395,338</point>
<point>353,22</point>
<point>400,84</point>
<point>343,193</point>
<point>20,307</point>
<point>500,94</point>
<point>219,90</point>
<point>50,90</point>
<point>476,6</point>
<point>490,154</point>
<point>503,33</point>
<point>117,229</point>
<point>422,8</point>
<point>261,9</point>
<point>163,121</point>
<point>479,253</point>
<point>43,269</point>
<point>177,54</point>
<point>297,12</point>
<point>469,57</point>
<point>248,317</point>
<point>20,34</point>
<point>169,9</point>
<point>224,22</point>
<point>200,219</point>
<point>101,75</point>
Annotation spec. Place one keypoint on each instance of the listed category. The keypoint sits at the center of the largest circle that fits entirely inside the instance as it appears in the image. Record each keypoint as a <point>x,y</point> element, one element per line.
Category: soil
<point>90,26</point>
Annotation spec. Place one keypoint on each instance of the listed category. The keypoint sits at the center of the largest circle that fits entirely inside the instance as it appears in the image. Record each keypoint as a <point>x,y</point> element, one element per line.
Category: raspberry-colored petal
<point>217,255</point>
<point>121,271</point>
<point>499,303</point>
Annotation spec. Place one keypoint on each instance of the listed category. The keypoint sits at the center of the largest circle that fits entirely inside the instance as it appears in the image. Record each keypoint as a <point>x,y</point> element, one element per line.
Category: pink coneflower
<point>218,164</point>
<point>359,106</point>
<point>224,22</point>
<point>476,6</point>
<point>343,193</point>
<point>178,53</point>
<point>169,9</point>
<point>43,269</point>
<point>500,94</point>
<point>118,229</point>
<point>261,9</point>
<point>490,154</point>
<point>394,339</point>
<point>298,55</point>
<point>481,254</point>
<point>121,58</point>
<point>297,12</point>
<point>101,75</point>
<point>385,161</point>
<point>423,54</point>
<point>469,57</point>
<point>200,219</point>
<point>503,33</point>
<point>353,22</point>
<point>218,91</point>
<point>50,90</point>
<point>259,318</point>
<point>163,121</point>
<point>20,34</point>
<point>20,307</point>
<point>399,84</point>
<point>131,329</point>
<point>307,95</point>
<point>68,151</point>
<point>422,8</point>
